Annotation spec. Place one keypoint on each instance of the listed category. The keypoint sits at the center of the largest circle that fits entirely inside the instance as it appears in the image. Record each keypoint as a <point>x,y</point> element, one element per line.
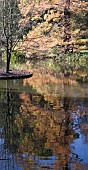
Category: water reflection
<point>8,107</point>
<point>42,128</point>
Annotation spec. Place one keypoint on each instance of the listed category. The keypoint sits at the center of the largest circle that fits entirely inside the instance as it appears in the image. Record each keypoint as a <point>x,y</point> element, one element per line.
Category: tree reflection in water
<point>37,133</point>
<point>9,106</point>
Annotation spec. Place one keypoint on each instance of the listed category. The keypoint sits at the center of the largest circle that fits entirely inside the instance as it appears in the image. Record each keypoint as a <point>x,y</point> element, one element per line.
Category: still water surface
<point>44,122</point>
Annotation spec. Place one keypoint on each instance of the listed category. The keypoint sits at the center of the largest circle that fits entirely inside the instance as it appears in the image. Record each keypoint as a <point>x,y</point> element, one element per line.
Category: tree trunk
<point>67,29</point>
<point>7,56</point>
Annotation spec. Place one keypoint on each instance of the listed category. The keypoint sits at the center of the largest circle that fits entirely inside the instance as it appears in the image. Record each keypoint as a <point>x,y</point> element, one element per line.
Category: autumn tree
<point>10,28</point>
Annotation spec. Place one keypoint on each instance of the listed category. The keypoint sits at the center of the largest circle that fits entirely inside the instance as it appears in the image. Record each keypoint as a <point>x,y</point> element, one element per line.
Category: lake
<point>44,119</point>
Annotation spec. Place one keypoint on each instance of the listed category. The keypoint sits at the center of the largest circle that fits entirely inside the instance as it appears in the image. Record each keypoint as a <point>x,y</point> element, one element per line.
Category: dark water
<point>44,122</point>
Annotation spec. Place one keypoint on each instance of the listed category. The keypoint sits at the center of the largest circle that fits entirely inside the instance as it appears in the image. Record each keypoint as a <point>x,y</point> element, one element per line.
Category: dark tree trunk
<point>7,56</point>
<point>67,29</point>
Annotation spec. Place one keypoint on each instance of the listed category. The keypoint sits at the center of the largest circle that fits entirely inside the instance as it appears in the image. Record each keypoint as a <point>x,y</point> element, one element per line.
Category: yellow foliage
<point>76,31</point>
<point>81,41</point>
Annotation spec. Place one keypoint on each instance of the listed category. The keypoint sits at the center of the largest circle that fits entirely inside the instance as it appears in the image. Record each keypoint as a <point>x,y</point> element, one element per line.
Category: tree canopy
<point>48,26</point>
